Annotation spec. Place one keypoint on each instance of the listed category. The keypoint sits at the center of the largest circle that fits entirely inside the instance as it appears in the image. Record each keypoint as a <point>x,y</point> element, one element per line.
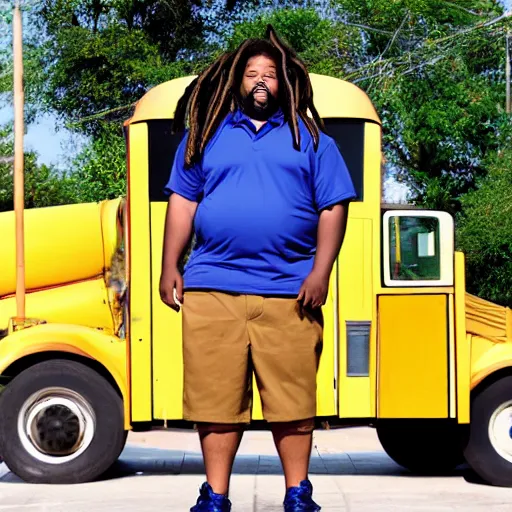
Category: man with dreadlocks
<point>266,193</point>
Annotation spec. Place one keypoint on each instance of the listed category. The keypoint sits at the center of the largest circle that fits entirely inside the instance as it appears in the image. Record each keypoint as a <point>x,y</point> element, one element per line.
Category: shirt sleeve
<point>188,183</point>
<point>332,181</point>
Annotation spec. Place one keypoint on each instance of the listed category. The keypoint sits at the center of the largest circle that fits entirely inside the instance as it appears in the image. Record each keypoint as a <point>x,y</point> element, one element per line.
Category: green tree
<point>43,185</point>
<point>438,129</point>
<point>402,25</point>
<point>97,59</point>
<point>325,46</point>
<point>434,69</point>
<point>100,168</point>
<point>484,232</point>
<point>171,24</point>
<point>93,73</point>
<point>100,56</point>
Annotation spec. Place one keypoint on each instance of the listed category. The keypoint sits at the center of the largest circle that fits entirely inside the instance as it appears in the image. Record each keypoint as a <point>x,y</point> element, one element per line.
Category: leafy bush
<point>484,232</point>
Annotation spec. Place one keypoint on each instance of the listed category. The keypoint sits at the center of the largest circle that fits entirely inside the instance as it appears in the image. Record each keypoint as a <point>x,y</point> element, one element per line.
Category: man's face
<point>260,71</point>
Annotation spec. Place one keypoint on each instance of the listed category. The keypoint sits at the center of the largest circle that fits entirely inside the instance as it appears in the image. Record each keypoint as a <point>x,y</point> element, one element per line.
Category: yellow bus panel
<point>167,333</point>
<point>355,305</point>
<point>413,356</point>
<point>63,244</point>
<point>85,303</point>
<point>140,271</point>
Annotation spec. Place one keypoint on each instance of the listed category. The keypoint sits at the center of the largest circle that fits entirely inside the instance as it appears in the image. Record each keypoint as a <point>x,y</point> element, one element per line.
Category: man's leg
<point>219,444</point>
<point>217,378</point>
<point>294,442</point>
<point>286,344</point>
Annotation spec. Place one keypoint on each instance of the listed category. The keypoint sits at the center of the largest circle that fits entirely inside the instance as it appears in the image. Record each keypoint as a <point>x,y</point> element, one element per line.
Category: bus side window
<point>418,248</point>
<point>162,146</point>
<point>349,136</point>
<point>414,248</point>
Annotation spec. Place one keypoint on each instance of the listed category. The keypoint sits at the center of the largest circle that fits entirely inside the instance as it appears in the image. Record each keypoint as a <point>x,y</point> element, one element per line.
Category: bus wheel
<point>423,446</point>
<point>489,450</point>
<point>60,422</point>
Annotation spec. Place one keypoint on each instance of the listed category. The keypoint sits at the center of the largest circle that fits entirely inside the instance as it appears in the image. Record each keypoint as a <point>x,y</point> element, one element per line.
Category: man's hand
<point>178,230</point>
<point>331,231</point>
<point>313,292</point>
<point>171,280</point>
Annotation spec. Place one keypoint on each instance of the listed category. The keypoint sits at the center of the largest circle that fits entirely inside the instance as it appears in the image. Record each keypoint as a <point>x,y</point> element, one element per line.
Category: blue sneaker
<point>208,501</point>
<point>299,499</point>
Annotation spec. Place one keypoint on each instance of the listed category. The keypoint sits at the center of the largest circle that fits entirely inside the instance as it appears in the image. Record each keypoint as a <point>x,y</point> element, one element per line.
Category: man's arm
<point>330,234</point>
<point>178,230</point>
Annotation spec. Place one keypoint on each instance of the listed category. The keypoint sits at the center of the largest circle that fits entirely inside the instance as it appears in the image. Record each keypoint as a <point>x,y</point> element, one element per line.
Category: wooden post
<point>19,182</point>
<point>508,107</point>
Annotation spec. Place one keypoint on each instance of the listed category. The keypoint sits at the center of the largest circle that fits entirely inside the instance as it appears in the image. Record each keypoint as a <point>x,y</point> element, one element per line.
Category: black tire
<point>423,446</point>
<point>96,396</point>
<point>123,444</point>
<point>481,454</point>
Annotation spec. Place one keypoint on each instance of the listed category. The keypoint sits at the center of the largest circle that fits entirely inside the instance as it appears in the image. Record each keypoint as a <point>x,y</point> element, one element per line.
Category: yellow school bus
<point>406,349</point>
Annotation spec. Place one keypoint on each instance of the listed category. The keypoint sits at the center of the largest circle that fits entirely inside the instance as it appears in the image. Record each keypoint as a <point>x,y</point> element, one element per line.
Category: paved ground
<point>162,471</point>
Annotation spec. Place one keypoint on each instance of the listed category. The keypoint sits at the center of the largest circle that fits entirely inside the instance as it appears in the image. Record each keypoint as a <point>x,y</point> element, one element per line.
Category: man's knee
<point>294,427</point>
<point>219,428</point>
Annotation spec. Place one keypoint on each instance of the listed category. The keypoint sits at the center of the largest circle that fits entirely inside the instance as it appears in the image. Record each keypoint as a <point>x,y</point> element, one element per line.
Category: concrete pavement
<point>163,470</point>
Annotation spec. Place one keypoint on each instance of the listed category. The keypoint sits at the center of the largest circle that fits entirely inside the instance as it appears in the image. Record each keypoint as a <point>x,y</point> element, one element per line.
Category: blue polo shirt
<point>259,205</point>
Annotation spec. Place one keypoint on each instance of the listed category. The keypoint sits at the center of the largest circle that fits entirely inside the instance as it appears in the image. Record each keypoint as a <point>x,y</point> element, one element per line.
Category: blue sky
<point>55,145</point>
<point>52,142</point>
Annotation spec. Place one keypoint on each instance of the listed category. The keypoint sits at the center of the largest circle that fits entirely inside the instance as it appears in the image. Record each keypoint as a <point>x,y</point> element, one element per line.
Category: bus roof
<point>334,98</point>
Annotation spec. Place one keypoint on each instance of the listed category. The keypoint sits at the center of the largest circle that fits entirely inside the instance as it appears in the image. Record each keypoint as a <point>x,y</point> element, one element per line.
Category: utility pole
<point>508,108</point>
<point>19,182</point>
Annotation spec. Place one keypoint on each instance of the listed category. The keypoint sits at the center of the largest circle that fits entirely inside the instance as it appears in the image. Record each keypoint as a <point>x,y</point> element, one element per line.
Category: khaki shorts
<point>227,337</point>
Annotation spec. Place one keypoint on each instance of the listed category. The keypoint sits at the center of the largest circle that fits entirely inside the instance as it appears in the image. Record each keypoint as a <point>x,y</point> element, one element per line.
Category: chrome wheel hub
<point>500,430</point>
<point>56,425</point>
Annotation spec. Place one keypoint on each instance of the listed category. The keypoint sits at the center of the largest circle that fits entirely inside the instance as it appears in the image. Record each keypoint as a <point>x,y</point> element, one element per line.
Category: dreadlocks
<point>213,94</point>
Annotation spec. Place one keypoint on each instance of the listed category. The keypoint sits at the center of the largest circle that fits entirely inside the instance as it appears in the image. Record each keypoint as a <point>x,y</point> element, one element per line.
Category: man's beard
<point>259,111</point>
